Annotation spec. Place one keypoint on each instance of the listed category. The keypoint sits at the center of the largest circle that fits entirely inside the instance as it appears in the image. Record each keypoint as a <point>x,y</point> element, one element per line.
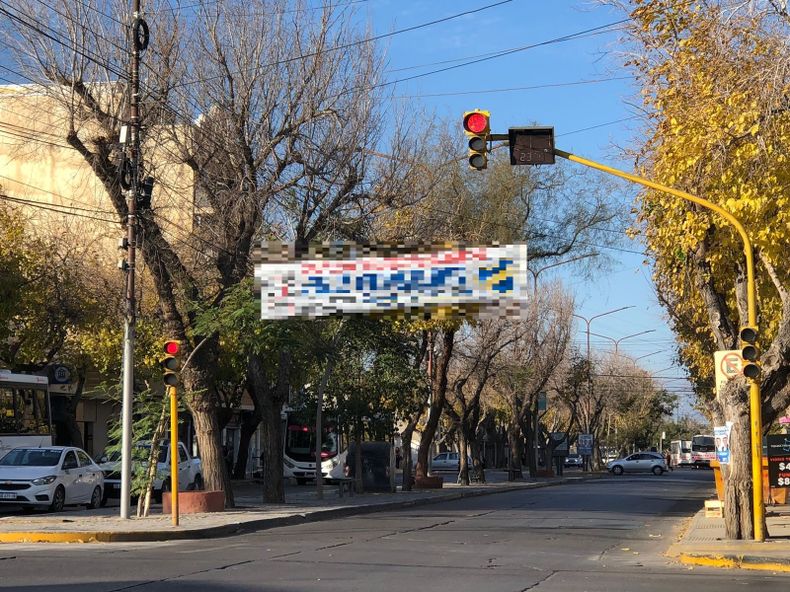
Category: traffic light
<point>477,129</point>
<point>749,352</point>
<point>144,193</point>
<point>171,363</point>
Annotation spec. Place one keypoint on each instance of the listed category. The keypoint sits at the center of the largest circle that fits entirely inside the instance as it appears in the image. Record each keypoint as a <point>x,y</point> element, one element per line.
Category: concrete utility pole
<point>139,40</point>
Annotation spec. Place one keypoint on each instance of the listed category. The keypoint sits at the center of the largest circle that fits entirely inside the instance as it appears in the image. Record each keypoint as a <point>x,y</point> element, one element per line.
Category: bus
<point>703,450</point>
<point>299,450</point>
<point>25,413</point>
<point>680,453</point>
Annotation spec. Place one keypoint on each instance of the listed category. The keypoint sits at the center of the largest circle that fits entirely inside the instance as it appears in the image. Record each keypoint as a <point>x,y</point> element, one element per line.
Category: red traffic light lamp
<point>477,128</point>
<point>170,363</point>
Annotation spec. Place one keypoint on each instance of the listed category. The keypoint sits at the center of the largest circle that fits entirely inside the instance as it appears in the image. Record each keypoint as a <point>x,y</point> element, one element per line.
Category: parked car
<point>50,477</point>
<point>639,462</point>
<point>190,471</point>
<point>574,460</point>
<point>448,461</point>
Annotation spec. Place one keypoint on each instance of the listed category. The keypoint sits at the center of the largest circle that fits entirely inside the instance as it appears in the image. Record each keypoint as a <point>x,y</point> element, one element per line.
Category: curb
<point>733,561</point>
<point>223,530</point>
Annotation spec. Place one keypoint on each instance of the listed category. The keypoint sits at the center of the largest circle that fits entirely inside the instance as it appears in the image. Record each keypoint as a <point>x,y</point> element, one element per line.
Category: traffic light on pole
<point>750,353</point>
<point>477,129</point>
<point>171,363</point>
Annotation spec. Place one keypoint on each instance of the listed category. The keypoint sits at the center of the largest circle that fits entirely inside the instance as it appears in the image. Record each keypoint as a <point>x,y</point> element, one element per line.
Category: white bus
<point>703,450</point>
<point>299,450</point>
<point>25,414</point>
<point>680,451</point>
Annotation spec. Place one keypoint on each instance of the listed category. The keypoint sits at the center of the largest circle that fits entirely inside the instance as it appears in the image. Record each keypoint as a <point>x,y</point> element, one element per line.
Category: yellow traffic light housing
<point>750,353</point>
<point>477,129</point>
<point>170,363</point>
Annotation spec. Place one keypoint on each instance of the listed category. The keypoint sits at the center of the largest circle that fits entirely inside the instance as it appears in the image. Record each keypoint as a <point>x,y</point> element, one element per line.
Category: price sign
<point>779,461</point>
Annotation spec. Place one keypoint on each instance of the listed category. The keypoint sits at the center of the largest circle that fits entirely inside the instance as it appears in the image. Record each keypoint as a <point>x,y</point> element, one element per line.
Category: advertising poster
<point>721,435</point>
<point>461,280</point>
<point>779,460</point>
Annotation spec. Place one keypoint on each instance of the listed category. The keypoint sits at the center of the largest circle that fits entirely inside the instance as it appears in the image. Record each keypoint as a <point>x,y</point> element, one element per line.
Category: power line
<point>107,65</point>
<point>39,205</point>
<point>515,88</point>
<point>359,42</point>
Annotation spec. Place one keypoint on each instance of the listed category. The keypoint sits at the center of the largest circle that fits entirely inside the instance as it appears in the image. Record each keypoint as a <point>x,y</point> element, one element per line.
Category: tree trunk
<point>74,434</point>
<point>208,432</point>
<point>249,423</point>
<point>144,499</point>
<point>407,464</point>
<point>438,398</point>
<point>516,450</point>
<point>359,484</point>
<point>477,463</point>
<point>738,514</point>
<point>463,464</point>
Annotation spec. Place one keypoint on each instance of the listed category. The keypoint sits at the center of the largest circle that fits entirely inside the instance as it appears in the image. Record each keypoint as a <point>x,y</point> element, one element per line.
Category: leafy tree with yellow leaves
<point>715,82</point>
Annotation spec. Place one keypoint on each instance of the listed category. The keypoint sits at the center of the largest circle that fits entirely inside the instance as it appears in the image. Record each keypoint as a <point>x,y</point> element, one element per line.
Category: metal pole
<point>174,455</point>
<point>131,304</point>
<point>319,476</point>
<point>755,397</point>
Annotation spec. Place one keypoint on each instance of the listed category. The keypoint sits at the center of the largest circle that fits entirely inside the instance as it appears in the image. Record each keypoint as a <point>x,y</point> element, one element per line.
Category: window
<point>70,462</point>
<point>31,457</point>
<point>85,460</point>
<point>442,456</point>
<point>24,411</point>
<point>182,455</point>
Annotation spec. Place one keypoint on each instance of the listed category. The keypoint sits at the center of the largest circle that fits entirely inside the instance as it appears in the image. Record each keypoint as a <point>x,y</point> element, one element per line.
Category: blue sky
<point>609,107</point>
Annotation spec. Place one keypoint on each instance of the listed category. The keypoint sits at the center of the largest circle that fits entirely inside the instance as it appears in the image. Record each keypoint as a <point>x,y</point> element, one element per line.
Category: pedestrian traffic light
<point>171,363</point>
<point>477,129</point>
<point>750,353</point>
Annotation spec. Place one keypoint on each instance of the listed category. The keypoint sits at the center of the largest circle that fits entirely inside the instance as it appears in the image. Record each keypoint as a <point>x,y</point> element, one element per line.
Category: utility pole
<point>139,41</point>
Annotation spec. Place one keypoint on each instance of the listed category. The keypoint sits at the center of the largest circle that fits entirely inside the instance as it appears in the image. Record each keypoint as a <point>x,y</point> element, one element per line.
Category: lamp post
<point>535,274</point>
<point>588,322</point>
<point>617,341</point>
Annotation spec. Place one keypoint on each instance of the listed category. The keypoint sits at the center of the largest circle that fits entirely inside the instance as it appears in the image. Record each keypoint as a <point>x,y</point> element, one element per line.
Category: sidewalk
<point>81,526</point>
<point>704,543</point>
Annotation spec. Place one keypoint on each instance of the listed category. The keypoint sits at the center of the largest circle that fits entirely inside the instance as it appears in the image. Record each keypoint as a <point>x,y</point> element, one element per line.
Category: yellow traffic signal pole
<point>173,455</point>
<point>754,387</point>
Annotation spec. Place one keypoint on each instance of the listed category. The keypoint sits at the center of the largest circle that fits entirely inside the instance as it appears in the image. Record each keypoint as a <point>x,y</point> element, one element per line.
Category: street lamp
<point>617,341</point>
<point>588,322</point>
<point>535,274</point>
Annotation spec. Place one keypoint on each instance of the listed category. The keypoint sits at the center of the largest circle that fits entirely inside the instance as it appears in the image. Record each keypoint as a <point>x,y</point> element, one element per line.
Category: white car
<point>50,477</point>
<point>190,470</point>
<point>639,462</point>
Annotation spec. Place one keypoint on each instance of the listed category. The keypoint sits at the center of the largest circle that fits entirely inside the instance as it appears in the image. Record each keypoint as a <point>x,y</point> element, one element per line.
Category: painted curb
<point>223,530</point>
<point>732,561</point>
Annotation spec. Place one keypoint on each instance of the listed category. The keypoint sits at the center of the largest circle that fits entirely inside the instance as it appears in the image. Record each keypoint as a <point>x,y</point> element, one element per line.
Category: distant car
<point>639,462</point>
<point>574,460</point>
<point>50,477</point>
<point>190,471</point>
<point>448,461</point>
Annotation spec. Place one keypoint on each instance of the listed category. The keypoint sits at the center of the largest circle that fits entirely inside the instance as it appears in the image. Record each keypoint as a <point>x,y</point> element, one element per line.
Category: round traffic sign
<point>731,364</point>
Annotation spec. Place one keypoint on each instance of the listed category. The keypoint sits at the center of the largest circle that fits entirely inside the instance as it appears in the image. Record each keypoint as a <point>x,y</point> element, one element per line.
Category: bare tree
<point>272,109</point>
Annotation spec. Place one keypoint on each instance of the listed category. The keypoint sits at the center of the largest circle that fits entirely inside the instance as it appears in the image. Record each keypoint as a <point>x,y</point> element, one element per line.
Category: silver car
<point>640,462</point>
<point>448,461</point>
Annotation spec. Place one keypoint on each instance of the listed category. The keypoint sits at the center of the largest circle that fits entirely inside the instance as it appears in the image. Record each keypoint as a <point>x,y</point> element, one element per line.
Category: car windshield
<point>31,457</point>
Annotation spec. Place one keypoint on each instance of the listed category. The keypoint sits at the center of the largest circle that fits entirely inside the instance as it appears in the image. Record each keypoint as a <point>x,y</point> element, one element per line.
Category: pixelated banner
<point>451,281</point>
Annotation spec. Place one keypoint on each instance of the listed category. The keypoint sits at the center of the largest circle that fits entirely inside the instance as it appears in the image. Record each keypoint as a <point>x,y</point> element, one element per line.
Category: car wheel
<point>617,470</point>
<point>96,498</point>
<point>657,470</point>
<point>198,483</point>
<point>58,499</point>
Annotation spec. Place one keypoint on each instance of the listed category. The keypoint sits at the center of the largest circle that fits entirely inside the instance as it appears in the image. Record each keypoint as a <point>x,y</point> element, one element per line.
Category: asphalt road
<point>605,535</point>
